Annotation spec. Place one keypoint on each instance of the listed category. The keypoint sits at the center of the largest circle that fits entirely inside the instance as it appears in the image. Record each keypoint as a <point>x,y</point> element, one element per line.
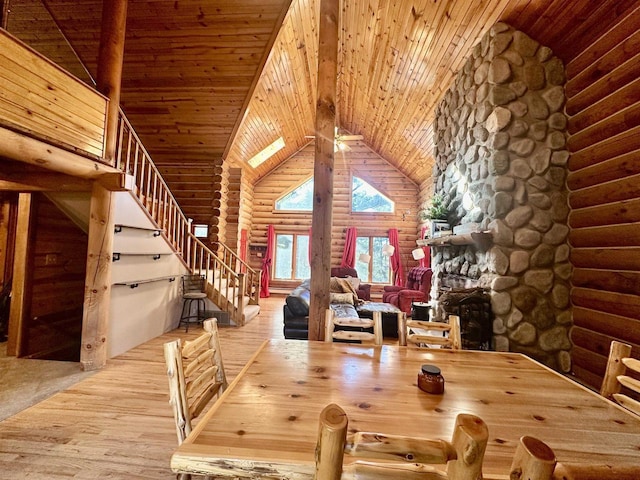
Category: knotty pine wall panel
<point>604,109</point>
<point>43,100</point>
<point>361,161</point>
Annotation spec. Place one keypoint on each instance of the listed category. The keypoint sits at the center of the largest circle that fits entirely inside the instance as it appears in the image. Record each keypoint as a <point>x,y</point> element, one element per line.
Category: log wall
<point>41,99</point>
<point>54,313</point>
<point>361,161</point>
<point>232,205</point>
<point>246,208</point>
<point>603,91</point>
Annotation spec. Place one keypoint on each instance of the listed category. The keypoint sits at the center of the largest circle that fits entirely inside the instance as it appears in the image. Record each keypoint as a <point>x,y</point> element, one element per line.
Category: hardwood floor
<point>117,423</point>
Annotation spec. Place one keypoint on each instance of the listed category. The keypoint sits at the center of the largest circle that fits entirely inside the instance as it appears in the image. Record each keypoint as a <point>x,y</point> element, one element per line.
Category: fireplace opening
<point>473,306</point>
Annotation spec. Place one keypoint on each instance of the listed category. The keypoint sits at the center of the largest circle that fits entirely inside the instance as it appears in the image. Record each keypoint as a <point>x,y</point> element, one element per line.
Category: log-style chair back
<point>379,456</point>
<point>589,471</point>
<point>196,375</point>
<point>534,460</point>
<point>615,376</point>
<point>414,332</point>
<point>411,457</point>
<point>332,321</point>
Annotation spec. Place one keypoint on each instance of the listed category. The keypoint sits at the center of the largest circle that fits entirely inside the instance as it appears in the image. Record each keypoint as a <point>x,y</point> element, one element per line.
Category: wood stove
<point>473,306</point>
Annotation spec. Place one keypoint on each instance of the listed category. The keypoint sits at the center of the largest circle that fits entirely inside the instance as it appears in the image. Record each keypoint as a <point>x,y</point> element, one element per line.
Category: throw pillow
<point>354,281</point>
<point>341,298</point>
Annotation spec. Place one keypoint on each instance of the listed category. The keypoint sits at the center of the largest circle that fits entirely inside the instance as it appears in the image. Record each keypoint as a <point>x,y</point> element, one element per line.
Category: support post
<point>109,75</point>
<point>5,9</point>
<point>323,167</point>
<point>97,287</point>
<point>21,272</point>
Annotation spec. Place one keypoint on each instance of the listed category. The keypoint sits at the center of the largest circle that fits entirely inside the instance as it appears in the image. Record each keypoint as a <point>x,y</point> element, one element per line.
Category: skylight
<point>268,152</point>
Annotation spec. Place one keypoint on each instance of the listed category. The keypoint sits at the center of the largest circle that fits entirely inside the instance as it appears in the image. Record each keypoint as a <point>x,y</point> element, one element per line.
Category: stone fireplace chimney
<point>500,162</point>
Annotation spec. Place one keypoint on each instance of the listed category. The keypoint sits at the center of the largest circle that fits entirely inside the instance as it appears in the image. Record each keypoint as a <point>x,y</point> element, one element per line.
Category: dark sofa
<point>296,312</point>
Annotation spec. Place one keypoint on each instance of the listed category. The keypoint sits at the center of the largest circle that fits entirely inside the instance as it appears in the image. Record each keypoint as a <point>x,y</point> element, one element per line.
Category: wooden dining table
<point>266,422</point>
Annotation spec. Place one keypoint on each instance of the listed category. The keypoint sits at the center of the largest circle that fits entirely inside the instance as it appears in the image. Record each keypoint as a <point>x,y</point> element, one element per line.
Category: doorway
<point>54,274</point>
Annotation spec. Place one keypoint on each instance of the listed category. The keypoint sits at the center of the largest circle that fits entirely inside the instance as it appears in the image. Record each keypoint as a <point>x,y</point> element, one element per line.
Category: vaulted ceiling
<point>205,80</point>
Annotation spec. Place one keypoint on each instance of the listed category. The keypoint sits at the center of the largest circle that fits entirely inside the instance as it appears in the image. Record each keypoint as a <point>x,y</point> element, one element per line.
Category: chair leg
<point>186,311</point>
<point>186,303</point>
<point>201,311</point>
<point>186,317</point>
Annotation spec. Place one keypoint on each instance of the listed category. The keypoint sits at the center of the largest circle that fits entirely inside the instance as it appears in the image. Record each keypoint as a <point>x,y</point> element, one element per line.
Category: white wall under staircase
<point>150,309</point>
<point>137,314</point>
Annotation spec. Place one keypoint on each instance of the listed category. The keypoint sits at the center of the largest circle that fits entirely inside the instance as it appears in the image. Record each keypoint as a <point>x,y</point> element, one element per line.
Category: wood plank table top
<point>266,423</point>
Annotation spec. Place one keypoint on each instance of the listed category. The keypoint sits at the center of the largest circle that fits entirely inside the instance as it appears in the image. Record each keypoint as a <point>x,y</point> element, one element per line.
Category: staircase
<point>232,284</point>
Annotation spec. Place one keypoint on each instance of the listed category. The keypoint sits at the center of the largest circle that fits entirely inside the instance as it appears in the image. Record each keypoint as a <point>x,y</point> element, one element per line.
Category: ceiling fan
<point>341,139</point>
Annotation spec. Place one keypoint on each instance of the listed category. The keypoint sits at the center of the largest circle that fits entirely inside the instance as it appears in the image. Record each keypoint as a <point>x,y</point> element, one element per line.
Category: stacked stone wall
<point>501,162</point>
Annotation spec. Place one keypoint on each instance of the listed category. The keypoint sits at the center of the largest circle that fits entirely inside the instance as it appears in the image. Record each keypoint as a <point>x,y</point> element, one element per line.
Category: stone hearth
<point>500,135</point>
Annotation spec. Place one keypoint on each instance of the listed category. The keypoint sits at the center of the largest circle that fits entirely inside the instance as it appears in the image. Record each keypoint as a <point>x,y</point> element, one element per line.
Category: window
<point>366,198</point>
<point>201,231</point>
<point>292,257</point>
<point>263,155</point>
<point>300,198</point>
<point>377,270</point>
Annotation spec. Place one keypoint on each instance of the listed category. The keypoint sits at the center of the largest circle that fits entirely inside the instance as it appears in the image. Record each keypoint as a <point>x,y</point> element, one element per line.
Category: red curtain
<point>349,254</point>
<point>396,264</point>
<point>426,261</point>
<point>266,262</point>
<point>243,248</point>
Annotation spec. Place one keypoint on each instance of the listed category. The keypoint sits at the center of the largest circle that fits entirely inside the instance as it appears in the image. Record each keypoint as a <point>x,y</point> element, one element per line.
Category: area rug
<point>27,382</point>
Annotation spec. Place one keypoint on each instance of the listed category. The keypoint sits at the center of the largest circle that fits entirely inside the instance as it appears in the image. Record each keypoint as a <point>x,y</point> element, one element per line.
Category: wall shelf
<point>482,240</point>
<point>136,283</point>
<point>119,227</point>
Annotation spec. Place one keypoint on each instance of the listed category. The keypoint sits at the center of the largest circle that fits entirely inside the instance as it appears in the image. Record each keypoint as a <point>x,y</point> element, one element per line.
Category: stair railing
<point>225,286</point>
<point>252,280</point>
<point>226,274</point>
<point>150,188</point>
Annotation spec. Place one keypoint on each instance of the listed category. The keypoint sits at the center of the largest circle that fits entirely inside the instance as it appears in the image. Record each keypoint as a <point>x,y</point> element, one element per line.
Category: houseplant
<point>437,214</point>
<point>436,210</point>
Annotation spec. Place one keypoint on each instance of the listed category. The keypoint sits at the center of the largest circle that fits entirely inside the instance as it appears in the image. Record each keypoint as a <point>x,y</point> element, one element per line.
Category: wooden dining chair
<point>415,332</point>
<point>533,460</point>
<point>615,376</point>
<point>391,456</point>
<point>196,375</point>
<point>332,321</point>
<point>589,471</point>
<point>380,456</point>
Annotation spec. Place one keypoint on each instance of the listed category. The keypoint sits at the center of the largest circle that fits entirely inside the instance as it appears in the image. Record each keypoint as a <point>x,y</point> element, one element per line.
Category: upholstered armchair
<point>363,290</point>
<point>417,290</point>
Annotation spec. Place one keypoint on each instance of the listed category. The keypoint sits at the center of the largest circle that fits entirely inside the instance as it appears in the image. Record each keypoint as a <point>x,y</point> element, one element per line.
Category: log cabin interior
<point>130,145</point>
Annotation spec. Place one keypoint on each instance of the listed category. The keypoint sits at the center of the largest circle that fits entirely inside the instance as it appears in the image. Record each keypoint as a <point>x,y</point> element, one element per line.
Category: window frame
<point>372,184</point>
<point>370,264</point>
<point>198,226</point>
<point>287,192</point>
<point>294,250</point>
